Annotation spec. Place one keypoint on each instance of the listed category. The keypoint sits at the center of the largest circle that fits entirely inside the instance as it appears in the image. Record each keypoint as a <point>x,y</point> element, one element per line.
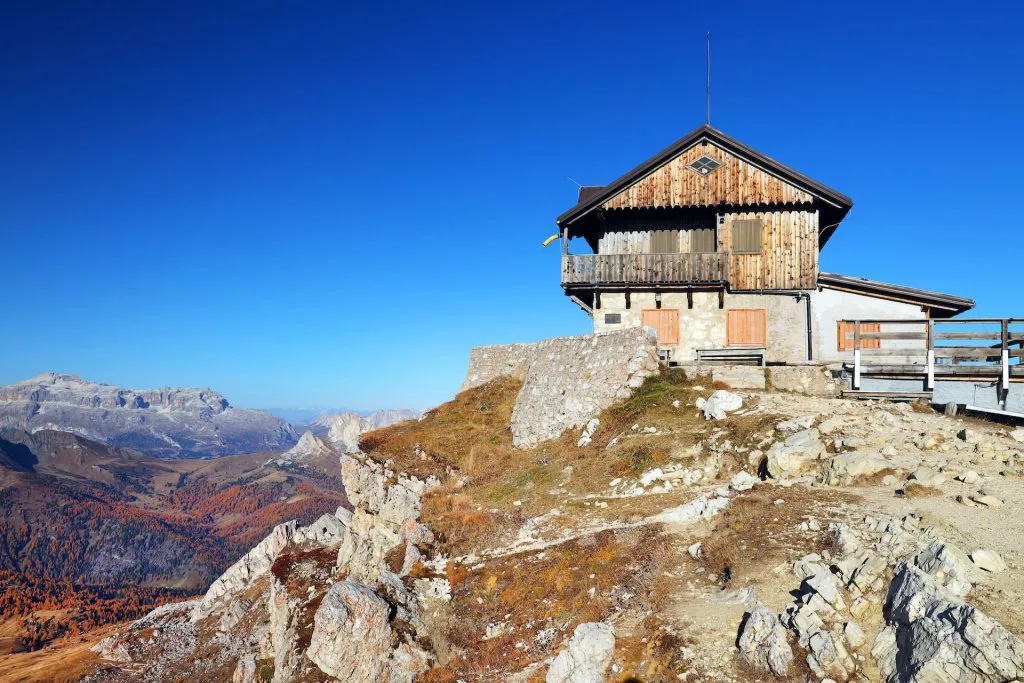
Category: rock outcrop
<point>320,600</point>
<point>567,381</point>
<point>933,635</point>
<point>764,643</point>
<point>344,429</point>
<point>586,658</point>
<point>167,423</point>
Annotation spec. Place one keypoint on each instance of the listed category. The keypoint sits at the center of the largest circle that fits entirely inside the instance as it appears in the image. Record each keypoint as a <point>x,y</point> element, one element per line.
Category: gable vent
<point>705,164</point>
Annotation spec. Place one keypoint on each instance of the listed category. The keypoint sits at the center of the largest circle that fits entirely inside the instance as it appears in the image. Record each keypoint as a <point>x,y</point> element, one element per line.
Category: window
<point>746,327</point>
<point>666,322</point>
<point>705,164</point>
<point>845,336</point>
<point>746,235</point>
<point>612,318</point>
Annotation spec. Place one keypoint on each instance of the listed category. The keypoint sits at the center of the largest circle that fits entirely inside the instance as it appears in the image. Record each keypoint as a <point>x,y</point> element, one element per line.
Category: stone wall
<point>704,325</point>
<point>566,380</point>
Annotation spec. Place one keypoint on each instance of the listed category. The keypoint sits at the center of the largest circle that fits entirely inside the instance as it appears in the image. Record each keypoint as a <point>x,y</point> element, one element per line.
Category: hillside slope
<point>91,534</point>
<point>796,538</point>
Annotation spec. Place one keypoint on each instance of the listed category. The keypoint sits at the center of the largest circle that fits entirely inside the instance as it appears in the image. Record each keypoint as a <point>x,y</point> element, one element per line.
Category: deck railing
<point>959,347</point>
<point>674,269</point>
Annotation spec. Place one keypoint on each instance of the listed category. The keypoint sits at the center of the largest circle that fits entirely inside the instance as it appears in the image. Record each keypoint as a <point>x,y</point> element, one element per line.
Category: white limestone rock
<point>587,657</point>
<point>846,468</point>
<point>352,638</point>
<point>763,643</point>
<point>241,574</point>
<point>790,457</point>
<point>989,560</point>
<point>934,636</point>
<point>947,565</point>
<point>719,404</point>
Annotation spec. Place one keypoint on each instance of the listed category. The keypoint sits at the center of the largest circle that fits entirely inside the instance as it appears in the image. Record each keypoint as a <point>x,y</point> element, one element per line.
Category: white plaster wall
<point>829,306</point>
<point>704,326</point>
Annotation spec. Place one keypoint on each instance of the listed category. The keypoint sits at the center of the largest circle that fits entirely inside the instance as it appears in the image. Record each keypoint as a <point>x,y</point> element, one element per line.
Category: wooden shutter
<point>746,236</point>
<point>664,241</point>
<point>846,328</point>
<point>746,327</point>
<point>702,240</point>
<point>665,321</point>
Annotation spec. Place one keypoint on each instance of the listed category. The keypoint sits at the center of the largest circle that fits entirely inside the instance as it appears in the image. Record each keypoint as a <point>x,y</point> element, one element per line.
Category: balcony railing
<point>670,269</point>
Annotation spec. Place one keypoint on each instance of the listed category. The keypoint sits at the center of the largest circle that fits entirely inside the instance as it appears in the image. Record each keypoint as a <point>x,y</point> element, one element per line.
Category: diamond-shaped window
<point>705,164</point>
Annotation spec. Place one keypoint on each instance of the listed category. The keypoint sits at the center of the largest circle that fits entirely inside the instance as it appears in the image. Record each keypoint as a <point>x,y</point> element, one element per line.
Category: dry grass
<point>467,443</point>
<point>540,598</point>
<point>915,490</point>
<point>754,532</point>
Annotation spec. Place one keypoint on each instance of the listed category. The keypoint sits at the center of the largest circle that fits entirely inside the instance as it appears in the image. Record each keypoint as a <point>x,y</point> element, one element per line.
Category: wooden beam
<point>689,299</point>
<point>627,300</point>
<point>721,298</point>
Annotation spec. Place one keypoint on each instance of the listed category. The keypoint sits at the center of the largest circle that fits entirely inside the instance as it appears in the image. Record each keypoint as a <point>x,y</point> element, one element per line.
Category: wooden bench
<point>732,356</point>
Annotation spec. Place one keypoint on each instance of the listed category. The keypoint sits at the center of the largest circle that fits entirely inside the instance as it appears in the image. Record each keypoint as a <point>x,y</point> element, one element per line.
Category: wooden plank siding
<point>737,182</point>
<point>789,251</point>
<point>690,240</point>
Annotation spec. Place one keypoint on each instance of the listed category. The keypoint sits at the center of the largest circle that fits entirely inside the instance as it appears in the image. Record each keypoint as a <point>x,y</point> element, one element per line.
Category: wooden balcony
<point>698,269</point>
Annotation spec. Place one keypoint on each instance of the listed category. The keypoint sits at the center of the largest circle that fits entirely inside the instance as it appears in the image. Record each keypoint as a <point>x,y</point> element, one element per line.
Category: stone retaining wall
<point>566,380</point>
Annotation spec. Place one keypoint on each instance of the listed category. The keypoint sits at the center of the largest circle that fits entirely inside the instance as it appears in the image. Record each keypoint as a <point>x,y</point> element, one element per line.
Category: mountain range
<point>163,423</point>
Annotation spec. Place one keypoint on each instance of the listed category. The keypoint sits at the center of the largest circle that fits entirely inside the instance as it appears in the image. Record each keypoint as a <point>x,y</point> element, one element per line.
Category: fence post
<point>856,355</point>
<point>1005,339</point>
<point>930,345</point>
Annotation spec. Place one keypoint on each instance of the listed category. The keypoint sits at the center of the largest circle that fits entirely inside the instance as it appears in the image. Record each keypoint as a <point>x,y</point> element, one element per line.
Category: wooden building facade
<point>709,224</point>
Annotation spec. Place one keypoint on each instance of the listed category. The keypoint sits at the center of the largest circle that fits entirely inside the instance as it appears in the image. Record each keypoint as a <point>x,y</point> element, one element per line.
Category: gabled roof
<point>593,196</point>
<point>941,305</point>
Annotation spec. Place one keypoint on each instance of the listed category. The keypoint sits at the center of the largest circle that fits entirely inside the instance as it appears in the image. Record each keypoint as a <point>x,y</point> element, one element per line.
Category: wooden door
<point>665,321</point>
<point>845,335</point>
<point>746,327</point>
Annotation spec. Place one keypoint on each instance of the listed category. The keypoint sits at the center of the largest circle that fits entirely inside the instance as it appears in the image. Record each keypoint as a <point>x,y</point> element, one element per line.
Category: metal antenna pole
<point>707,114</point>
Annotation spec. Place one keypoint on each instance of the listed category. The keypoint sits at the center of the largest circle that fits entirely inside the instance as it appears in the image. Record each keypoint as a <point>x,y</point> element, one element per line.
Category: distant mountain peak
<point>164,422</point>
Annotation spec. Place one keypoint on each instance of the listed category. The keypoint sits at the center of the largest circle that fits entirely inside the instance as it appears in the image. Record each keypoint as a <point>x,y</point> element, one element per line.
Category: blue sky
<point>302,203</point>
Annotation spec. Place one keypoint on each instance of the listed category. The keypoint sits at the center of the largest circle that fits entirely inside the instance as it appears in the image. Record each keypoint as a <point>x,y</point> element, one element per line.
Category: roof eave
<point>823,192</point>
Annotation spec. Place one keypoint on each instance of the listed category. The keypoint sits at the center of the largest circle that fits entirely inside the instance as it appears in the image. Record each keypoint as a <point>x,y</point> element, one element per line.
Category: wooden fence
<point>959,348</point>
<point>710,268</point>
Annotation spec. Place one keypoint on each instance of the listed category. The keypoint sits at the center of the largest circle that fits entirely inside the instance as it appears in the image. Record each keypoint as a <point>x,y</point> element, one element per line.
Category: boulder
<point>763,643</point>
<point>934,636</point>
<point>352,639</point>
<point>719,403</point>
<point>587,656</point>
<point>946,564</point>
<point>846,468</point>
<point>790,457</point>
<point>988,560</point>
<point>797,424</point>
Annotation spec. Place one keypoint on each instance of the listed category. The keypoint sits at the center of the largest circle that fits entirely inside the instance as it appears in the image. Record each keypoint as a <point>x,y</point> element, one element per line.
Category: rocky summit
<point>166,423</point>
<point>688,530</point>
<point>344,429</point>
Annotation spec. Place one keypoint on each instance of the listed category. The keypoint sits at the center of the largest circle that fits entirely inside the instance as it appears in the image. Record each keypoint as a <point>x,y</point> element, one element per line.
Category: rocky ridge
<point>344,429</point>
<point>798,538</point>
<point>306,601</point>
<point>170,423</point>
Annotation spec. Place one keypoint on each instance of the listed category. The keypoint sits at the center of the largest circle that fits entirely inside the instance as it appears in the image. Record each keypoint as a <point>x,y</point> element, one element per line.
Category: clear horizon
<point>312,204</point>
